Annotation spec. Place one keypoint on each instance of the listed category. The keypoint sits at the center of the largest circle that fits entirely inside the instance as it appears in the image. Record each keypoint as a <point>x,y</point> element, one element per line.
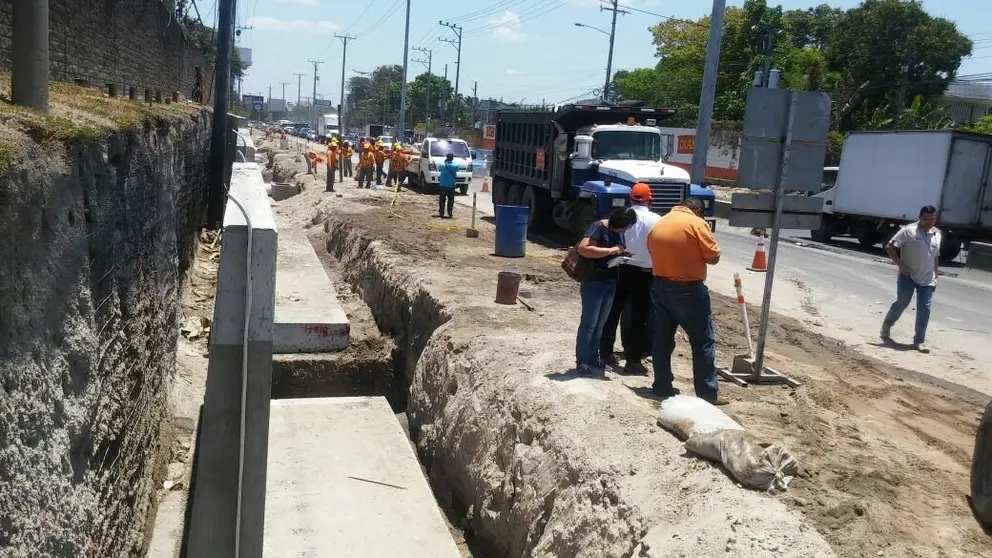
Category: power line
<point>360,16</point>
<point>388,14</point>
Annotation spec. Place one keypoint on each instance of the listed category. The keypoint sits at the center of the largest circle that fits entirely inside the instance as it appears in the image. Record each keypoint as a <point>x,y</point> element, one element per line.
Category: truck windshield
<point>456,148</point>
<point>641,146</point>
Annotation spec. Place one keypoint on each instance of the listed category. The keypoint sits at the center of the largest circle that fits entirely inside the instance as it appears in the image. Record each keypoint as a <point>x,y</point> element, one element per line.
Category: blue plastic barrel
<point>511,230</point>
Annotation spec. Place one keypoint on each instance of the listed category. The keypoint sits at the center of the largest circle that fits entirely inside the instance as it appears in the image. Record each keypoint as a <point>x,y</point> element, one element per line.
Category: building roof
<point>971,90</point>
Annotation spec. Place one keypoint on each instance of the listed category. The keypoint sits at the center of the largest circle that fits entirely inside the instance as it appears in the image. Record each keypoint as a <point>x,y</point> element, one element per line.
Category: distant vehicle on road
<point>387,143</point>
<point>577,163</point>
<point>885,178</point>
<point>423,169</point>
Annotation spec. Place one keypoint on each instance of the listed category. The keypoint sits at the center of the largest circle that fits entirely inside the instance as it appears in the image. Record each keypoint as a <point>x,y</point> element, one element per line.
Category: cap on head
<point>640,192</point>
<point>449,157</point>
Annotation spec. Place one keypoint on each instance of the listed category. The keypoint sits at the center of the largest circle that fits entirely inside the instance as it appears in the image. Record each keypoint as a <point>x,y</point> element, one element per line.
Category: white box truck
<point>885,177</point>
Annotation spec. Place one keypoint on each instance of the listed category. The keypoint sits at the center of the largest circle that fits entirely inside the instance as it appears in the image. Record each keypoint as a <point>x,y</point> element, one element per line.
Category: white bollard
<point>743,306</point>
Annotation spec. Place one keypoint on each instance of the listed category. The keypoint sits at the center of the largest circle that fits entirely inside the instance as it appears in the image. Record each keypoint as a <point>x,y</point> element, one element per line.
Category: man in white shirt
<point>632,300</point>
<point>915,249</point>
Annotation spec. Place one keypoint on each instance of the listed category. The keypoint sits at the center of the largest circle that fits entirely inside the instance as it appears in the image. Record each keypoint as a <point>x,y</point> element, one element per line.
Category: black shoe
<point>665,394</point>
<point>450,216</point>
<point>635,368</point>
<point>610,360</point>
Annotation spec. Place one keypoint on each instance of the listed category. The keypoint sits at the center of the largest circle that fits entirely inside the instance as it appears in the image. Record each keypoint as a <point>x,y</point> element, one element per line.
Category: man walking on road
<point>632,300</point>
<point>681,246</point>
<point>446,185</point>
<point>915,249</point>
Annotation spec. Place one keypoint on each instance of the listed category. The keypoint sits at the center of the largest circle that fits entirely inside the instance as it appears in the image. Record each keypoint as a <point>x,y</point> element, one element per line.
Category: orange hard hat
<point>640,192</point>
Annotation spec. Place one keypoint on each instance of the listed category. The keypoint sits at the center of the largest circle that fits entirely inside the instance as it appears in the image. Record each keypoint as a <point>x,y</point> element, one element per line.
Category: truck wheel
<point>583,215</point>
<point>981,470</point>
<point>463,189</point>
<point>500,191</point>
<point>425,185</point>
<point>950,249</point>
<point>823,233</point>
<point>535,200</point>
<point>868,238</point>
<point>516,195</point>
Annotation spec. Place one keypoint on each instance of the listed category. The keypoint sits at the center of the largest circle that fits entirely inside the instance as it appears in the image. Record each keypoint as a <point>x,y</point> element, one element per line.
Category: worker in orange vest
<point>366,164</point>
<point>346,154</point>
<point>380,160</point>
<point>314,160</point>
<point>332,164</point>
<point>397,165</point>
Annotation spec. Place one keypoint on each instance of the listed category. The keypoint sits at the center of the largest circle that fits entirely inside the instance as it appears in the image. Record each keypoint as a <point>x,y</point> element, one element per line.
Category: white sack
<point>687,416</point>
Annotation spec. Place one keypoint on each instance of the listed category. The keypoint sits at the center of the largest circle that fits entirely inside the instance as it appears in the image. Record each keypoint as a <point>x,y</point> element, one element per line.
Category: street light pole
<point>401,133</point>
<point>613,31</point>
<point>708,95</point>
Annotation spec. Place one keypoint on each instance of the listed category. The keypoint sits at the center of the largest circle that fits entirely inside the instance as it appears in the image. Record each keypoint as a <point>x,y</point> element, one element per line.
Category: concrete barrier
<point>245,145</point>
<point>980,256</point>
<point>215,496</point>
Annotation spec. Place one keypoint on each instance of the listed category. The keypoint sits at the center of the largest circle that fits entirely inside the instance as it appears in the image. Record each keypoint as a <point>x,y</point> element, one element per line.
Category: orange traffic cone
<point>760,261</point>
<point>485,185</point>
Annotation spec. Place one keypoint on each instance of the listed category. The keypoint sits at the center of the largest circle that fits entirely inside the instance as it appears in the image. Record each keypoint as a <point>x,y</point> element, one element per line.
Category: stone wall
<point>125,42</point>
<point>97,240</point>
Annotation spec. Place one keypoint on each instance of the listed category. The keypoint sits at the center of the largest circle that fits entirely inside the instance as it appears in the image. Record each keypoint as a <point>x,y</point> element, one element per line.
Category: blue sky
<point>515,49</point>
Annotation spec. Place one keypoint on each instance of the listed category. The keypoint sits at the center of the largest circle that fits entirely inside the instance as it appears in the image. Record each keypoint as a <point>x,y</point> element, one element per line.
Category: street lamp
<point>609,60</point>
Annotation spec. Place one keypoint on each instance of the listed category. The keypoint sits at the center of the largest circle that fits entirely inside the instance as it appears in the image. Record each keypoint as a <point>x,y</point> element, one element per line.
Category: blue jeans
<point>905,287</point>
<point>686,305</point>
<point>597,299</point>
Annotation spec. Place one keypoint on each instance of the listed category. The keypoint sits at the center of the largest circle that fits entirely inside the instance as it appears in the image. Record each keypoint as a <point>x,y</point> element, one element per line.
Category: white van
<point>423,170</point>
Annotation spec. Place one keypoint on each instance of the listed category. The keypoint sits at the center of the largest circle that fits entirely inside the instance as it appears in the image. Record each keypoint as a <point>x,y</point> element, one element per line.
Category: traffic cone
<point>760,261</point>
<point>485,186</point>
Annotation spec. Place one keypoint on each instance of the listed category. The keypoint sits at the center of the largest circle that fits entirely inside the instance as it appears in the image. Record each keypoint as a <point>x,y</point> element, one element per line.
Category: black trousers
<point>330,178</point>
<point>378,173</point>
<point>632,302</point>
<point>445,195</point>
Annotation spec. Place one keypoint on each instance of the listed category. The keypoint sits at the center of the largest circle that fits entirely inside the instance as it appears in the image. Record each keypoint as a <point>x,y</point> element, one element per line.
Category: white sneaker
<point>922,348</point>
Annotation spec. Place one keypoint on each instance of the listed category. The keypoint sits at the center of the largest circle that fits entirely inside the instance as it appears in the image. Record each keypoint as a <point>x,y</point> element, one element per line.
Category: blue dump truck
<point>577,163</point>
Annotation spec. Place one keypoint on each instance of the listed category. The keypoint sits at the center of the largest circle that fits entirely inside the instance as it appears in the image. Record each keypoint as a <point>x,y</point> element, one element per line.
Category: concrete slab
<point>308,317</point>
<point>343,481</point>
<point>245,145</point>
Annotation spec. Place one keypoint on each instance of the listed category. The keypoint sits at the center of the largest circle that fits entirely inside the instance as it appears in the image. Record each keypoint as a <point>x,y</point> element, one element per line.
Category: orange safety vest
<point>332,157</point>
<point>367,160</point>
<point>398,160</point>
<point>348,152</point>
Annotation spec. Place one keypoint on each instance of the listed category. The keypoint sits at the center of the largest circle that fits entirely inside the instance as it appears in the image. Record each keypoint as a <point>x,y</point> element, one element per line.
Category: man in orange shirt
<point>366,164</point>
<point>681,245</point>
<point>380,160</point>
<point>332,164</point>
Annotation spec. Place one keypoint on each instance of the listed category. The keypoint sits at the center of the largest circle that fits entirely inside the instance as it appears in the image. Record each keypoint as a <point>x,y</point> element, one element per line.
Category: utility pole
<point>344,62</point>
<point>284,84</point>
<point>316,78</point>
<point>475,102</point>
<point>444,100</point>
<point>222,102</point>
<point>430,57</point>
<point>613,31</point>
<point>401,133</point>
<point>29,56</point>
<point>268,102</point>
<point>904,77</point>
<point>299,86</point>
<point>708,94</point>
<point>458,61</point>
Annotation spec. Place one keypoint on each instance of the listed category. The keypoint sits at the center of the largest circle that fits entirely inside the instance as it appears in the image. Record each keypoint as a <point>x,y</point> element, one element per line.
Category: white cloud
<point>298,2</point>
<point>512,72</point>
<point>292,25</point>
<point>507,27</point>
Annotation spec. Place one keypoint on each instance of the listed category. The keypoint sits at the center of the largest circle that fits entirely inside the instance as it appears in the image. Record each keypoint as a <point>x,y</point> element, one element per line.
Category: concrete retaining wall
<point>980,256</point>
<point>97,238</point>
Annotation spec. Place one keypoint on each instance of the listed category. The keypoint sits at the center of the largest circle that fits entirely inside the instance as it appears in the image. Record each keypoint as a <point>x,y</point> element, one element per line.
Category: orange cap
<point>640,192</point>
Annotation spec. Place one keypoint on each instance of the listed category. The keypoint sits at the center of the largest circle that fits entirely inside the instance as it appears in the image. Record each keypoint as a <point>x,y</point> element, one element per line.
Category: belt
<point>667,280</point>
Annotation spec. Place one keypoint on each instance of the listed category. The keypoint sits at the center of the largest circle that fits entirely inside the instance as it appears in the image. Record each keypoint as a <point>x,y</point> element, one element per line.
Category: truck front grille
<point>665,196</point>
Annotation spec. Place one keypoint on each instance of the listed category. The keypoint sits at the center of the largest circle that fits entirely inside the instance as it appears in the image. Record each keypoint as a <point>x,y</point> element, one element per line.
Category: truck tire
<point>868,238</point>
<point>537,204</point>
<point>823,233</point>
<point>516,195</point>
<point>583,215</point>
<point>950,249</point>
<point>425,185</point>
<point>500,191</point>
<point>463,189</point>
<point>981,470</point>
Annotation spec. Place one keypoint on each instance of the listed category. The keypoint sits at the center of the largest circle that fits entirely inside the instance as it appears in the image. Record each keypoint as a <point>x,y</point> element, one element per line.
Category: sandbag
<point>753,463</point>
<point>687,416</point>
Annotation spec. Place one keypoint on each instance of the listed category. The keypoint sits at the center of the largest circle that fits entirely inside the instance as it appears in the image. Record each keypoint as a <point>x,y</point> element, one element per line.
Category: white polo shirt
<point>636,236</point>
<point>918,249</point>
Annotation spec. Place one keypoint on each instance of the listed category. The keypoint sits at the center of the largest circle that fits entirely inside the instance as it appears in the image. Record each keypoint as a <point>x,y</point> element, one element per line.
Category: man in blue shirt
<point>446,185</point>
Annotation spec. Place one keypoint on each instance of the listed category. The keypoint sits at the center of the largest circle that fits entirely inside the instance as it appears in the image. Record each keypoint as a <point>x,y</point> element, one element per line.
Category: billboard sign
<point>255,102</point>
<point>322,103</point>
<point>277,105</point>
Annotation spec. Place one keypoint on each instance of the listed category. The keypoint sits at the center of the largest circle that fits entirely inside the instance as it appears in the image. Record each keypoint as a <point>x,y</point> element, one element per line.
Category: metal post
<point>344,63</point>
<point>299,86</point>
<point>766,299</point>
<point>444,101</point>
<point>29,56</point>
<point>708,95</point>
<point>458,62</point>
<point>401,133</point>
<point>313,102</point>
<point>430,58</point>
<point>769,50</point>
<point>222,93</point>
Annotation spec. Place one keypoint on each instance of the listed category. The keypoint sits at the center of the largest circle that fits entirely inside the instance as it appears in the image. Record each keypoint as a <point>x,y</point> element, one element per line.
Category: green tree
<point>204,39</point>
<point>811,28</point>
<point>884,44</point>
<point>982,126</point>
<point>424,96</point>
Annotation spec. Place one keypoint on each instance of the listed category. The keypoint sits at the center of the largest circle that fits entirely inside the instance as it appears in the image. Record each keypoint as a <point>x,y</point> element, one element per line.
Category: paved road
<point>843,291</point>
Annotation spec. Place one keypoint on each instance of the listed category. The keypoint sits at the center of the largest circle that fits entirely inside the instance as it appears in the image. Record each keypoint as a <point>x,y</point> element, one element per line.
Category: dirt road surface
<point>884,452</point>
